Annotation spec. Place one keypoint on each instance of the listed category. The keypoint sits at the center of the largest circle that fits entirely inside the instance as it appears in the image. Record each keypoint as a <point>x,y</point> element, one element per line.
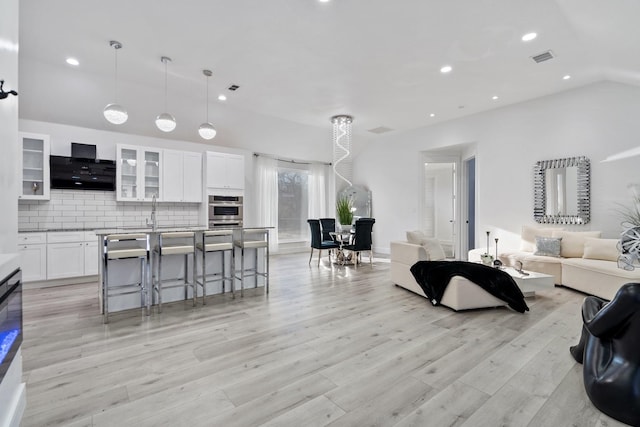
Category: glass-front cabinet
<point>35,167</point>
<point>138,173</point>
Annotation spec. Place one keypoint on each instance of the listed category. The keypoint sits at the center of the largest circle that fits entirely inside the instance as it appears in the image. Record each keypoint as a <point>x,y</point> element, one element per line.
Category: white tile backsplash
<point>75,209</point>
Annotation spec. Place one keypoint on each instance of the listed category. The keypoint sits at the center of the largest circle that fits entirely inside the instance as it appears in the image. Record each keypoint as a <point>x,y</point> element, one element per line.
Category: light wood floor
<point>332,346</point>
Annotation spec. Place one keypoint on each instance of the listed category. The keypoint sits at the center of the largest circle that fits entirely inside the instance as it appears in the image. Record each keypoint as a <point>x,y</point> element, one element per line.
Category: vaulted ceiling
<point>299,62</point>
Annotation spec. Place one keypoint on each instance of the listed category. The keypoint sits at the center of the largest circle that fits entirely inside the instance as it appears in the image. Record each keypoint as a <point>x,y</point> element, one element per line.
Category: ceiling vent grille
<point>234,87</point>
<point>380,129</point>
<point>544,56</point>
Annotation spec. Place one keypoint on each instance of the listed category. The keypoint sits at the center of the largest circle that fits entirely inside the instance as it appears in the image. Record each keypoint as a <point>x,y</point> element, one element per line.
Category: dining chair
<point>362,238</point>
<point>327,225</point>
<point>317,241</point>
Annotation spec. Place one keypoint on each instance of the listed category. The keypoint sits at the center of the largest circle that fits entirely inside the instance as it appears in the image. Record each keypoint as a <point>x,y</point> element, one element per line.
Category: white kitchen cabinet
<point>71,254</point>
<point>33,252</point>
<point>182,176</point>
<point>139,173</point>
<point>91,257</point>
<point>225,171</point>
<point>192,177</point>
<point>65,260</point>
<point>35,166</point>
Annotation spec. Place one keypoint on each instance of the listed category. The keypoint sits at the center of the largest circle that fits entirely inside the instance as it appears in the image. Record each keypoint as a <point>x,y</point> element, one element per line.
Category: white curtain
<point>267,192</point>
<point>318,191</point>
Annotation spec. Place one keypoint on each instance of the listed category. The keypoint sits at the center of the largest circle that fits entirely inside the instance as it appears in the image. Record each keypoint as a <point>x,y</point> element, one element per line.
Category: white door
<point>439,218</point>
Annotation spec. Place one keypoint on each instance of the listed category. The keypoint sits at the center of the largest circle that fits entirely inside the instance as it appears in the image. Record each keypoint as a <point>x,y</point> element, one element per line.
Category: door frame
<point>431,157</point>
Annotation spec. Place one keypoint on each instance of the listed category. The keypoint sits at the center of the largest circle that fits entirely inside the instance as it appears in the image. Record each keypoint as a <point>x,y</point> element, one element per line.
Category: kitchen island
<point>127,270</point>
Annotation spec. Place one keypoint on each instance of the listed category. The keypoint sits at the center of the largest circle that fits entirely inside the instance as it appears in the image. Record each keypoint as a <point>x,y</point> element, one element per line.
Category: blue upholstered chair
<point>362,238</point>
<point>316,240</point>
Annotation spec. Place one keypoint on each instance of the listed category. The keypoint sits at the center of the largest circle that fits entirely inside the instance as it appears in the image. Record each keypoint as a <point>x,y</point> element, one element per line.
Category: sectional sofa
<point>585,261</point>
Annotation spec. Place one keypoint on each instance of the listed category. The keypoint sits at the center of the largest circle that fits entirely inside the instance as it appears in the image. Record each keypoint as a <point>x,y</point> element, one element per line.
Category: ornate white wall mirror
<point>562,191</point>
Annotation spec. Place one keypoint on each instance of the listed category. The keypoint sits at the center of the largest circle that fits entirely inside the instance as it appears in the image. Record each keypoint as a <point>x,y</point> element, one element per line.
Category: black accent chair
<point>316,240</point>
<point>609,349</point>
<point>362,238</point>
<point>328,225</point>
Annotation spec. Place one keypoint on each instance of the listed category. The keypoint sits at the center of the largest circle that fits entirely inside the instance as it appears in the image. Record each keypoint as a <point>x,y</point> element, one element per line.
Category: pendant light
<point>206,130</point>
<point>115,113</point>
<point>165,121</point>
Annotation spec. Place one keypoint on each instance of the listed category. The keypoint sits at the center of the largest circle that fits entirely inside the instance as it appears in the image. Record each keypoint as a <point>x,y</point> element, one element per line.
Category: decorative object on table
<point>629,244</point>
<point>486,258</point>
<point>35,187</point>
<point>609,350</point>
<point>496,262</point>
<point>344,210</point>
<point>4,94</point>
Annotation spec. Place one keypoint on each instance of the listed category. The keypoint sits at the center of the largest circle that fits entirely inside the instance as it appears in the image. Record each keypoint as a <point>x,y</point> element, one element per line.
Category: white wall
<point>594,121</point>
<point>9,127</point>
<point>12,390</point>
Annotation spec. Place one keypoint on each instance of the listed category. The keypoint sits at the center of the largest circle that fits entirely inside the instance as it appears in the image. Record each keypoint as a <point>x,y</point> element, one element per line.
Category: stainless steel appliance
<point>225,211</point>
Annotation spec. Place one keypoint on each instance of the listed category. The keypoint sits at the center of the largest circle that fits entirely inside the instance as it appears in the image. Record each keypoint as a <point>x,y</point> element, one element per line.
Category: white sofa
<point>461,294</point>
<point>586,262</point>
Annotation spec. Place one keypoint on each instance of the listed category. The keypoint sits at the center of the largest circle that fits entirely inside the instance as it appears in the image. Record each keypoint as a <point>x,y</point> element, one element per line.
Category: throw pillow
<point>433,248</point>
<point>573,242</point>
<point>547,246</point>
<point>415,237</point>
<point>528,236</point>
<point>431,245</point>
<point>604,249</point>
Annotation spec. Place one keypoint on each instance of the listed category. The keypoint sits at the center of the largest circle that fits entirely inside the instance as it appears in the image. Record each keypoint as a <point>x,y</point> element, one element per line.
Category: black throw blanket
<point>433,277</point>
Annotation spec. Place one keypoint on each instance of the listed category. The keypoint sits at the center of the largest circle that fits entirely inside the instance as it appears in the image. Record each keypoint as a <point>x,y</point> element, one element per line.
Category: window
<point>293,206</point>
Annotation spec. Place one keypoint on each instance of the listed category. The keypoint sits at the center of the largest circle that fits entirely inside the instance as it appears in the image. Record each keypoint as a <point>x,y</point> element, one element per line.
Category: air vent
<point>544,56</point>
<point>380,129</point>
<point>233,87</point>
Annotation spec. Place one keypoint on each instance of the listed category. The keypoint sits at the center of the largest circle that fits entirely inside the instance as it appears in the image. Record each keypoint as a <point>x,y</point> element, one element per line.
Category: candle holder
<point>486,258</point>
<point>496,262</point>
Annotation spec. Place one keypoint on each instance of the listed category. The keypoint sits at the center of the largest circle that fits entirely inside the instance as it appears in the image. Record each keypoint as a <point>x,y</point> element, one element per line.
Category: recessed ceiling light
<point>222,98</point>
<point>432,115</point>
<point>494,97</point>
<point>324,1</point>
<point>529,36</point>
<point>446,69</point>
<point>73,61</point>
<point>567,77</point>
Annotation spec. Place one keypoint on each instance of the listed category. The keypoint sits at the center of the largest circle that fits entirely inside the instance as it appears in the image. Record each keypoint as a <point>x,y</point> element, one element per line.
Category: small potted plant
<point>344,210</point>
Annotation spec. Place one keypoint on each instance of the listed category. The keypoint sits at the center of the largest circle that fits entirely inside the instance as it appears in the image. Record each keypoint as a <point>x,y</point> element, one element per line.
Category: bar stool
<point>216,241</point>
<point>175,243</point>
<point>120,247</point>
<point>251,238</point>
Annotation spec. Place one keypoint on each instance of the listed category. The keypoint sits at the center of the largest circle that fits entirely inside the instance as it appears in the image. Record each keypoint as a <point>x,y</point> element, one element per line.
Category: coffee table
<point>531,282</point>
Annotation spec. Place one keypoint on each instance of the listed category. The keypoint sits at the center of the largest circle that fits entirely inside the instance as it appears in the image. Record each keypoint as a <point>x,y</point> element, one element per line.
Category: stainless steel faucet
<point>153,223</point>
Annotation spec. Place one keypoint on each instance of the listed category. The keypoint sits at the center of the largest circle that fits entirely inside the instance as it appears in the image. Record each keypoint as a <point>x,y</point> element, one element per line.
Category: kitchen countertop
<point>149,230</point>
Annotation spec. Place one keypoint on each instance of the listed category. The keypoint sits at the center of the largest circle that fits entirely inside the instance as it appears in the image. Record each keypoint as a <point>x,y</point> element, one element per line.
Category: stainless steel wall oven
<point>225,211</point>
